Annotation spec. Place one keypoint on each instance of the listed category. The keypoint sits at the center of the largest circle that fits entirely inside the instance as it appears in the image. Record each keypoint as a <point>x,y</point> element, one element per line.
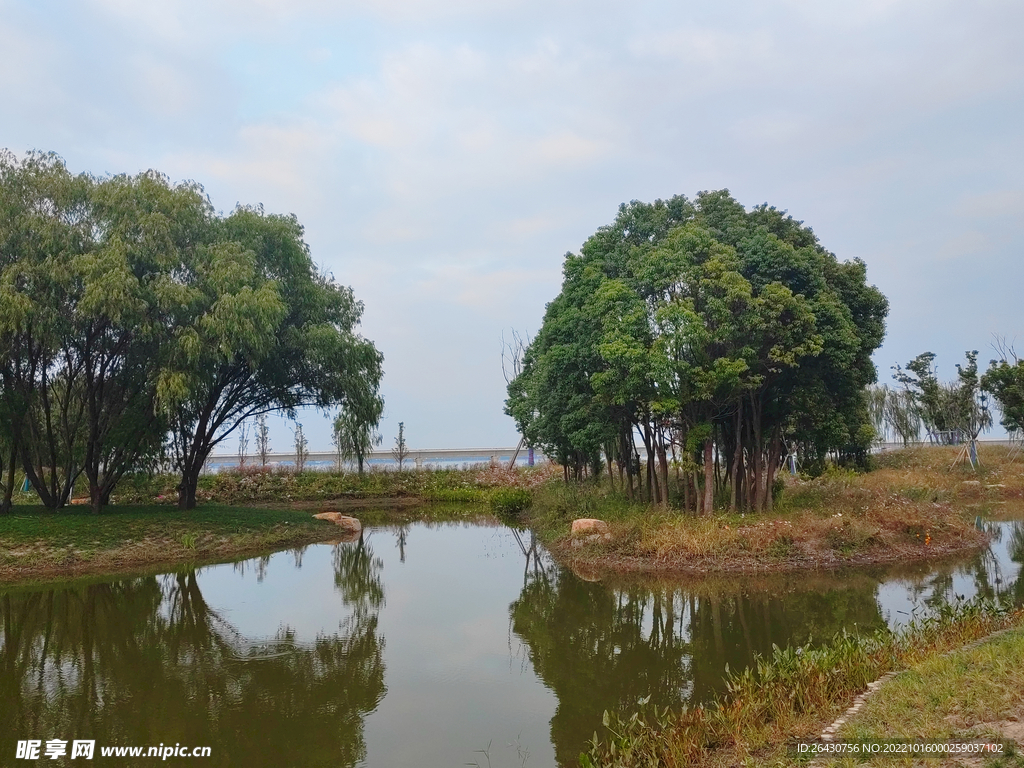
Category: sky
<point>444,155</point>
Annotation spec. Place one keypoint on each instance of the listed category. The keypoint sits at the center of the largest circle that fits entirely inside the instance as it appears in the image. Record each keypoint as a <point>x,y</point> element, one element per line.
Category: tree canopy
<point>719,335</point>
<point>136,323</point>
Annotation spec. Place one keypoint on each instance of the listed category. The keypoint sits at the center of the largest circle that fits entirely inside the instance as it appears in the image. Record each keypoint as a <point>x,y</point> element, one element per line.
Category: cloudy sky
<point>443,155</point>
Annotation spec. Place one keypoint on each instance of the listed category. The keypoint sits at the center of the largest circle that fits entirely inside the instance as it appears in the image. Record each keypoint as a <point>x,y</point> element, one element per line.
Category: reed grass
<point>916,504</point>
<point>789,696</point>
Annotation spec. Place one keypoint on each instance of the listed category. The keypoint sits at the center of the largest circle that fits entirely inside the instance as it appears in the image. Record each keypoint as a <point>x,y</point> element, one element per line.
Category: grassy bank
<point>793,696</point>
<point>971,694</point>
<point>240,513</point>
<point>915,505</point>
<point>255,485</point>
<point>36,543</point>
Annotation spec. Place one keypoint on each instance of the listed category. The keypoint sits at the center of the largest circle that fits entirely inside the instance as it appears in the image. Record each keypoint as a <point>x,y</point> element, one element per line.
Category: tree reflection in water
<point>145,660</point>
<point>602,648</point>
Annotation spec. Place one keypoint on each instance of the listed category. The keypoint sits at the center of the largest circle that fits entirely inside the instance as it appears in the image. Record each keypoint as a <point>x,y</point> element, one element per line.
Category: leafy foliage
<point>510,503</point>
<point>707,330</point>
<point>130,312</point>
<point>1005,380</point>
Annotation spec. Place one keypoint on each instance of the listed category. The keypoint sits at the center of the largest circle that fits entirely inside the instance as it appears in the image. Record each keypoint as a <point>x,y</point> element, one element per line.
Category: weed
<point>510,503</point>
<point>791,693</point>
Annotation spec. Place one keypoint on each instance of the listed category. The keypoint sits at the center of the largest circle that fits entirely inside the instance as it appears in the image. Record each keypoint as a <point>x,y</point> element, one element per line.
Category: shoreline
<point>165,538</point>
<point>118,564</point>
<point>596,565</point>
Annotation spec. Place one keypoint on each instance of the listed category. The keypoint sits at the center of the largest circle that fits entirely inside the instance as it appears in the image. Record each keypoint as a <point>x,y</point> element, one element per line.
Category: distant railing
<point>461,457</point>
<point>434,458</point>
<point>883,447</point>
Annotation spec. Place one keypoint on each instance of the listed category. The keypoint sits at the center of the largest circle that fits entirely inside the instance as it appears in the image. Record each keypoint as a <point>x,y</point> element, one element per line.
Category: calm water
<point>427,645</point>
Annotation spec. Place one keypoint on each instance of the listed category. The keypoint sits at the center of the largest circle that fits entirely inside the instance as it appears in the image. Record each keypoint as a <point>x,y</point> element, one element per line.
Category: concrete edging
<point>829,734</point>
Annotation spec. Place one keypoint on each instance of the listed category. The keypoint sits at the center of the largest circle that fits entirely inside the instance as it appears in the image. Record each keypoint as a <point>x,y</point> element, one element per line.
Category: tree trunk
<point>663,463</point>
<point>12,463</point>
<point>737,459</point>
<point>709,475</point>
<point>773,466</point>
<point>95,497</point>
<point>758,450</point>
<point>187,488</point>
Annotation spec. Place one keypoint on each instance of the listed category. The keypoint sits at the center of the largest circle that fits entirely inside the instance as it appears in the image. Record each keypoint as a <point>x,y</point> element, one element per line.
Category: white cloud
<point>444,154</point>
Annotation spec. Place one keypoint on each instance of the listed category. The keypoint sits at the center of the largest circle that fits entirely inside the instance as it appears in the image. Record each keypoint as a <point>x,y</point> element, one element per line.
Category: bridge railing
<point>418,458</point>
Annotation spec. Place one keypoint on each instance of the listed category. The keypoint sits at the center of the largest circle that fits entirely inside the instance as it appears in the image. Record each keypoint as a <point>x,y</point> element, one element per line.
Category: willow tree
<point>130,314</point>
<point>86,279</point>
<point>355,426</point>
<point>260,329</point>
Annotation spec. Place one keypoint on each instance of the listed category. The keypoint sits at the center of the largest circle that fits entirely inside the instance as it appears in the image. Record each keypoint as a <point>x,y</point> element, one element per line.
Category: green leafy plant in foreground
<point>792,690</point>
<point>510,503</point>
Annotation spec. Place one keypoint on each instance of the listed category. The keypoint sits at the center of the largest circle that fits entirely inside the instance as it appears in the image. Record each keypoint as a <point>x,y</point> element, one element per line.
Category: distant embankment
<point>883,447</point>
<point>434,457</point>
<point>458,457</point>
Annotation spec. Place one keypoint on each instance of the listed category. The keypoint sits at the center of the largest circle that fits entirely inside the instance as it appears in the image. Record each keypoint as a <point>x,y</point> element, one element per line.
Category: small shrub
<point>510,503</point>
<point>782,547</point>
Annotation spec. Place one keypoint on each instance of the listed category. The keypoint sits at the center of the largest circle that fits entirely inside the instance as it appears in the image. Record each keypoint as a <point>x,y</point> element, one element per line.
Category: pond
<point>423,645</point>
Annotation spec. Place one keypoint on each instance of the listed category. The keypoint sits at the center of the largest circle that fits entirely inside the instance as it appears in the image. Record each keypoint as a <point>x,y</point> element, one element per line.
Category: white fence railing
<point>434,457</point>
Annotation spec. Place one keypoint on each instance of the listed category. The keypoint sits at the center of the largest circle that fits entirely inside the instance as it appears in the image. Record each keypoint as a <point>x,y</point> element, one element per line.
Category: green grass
<point>961,696</point>
<point>35,542</point>
<point>795,693</point>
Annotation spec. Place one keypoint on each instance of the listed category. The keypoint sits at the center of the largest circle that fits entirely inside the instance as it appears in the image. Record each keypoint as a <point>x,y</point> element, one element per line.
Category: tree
<point>952,412</point>
<point>88,279</point>
<point>1005,380</point>
<point>264,331</point>
<point>262,439</point>
<point>301,448</point>
<point>355,428</point>
<point>401,449</point>
<point>243,444</point>
<point>702,326</point>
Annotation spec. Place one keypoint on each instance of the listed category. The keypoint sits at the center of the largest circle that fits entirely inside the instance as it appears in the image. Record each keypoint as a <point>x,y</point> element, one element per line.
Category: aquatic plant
<point>788,695</point>
<point>510,503</point>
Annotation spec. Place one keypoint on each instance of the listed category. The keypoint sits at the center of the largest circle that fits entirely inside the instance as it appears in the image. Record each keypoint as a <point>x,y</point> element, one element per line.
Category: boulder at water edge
<point>586,530</point>
<point>587,526</point>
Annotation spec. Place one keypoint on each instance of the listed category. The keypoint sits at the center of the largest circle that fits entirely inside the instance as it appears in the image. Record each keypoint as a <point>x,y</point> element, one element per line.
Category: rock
<point>350,524</point>
<point>588,525</point>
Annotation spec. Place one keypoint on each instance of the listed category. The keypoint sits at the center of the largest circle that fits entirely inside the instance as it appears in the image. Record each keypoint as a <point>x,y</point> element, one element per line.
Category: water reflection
<point>146,661</point>
<point>281,660</point>
<point>603,646</point>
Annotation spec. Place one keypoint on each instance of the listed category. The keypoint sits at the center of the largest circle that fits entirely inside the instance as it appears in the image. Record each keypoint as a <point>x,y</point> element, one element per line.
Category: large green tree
<point>259,329</point>
<point>131,315</point>
<point>726,334</point>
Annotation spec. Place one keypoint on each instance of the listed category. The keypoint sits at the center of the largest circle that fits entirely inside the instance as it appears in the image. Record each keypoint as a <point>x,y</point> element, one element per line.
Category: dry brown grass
<point>917,505</point>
